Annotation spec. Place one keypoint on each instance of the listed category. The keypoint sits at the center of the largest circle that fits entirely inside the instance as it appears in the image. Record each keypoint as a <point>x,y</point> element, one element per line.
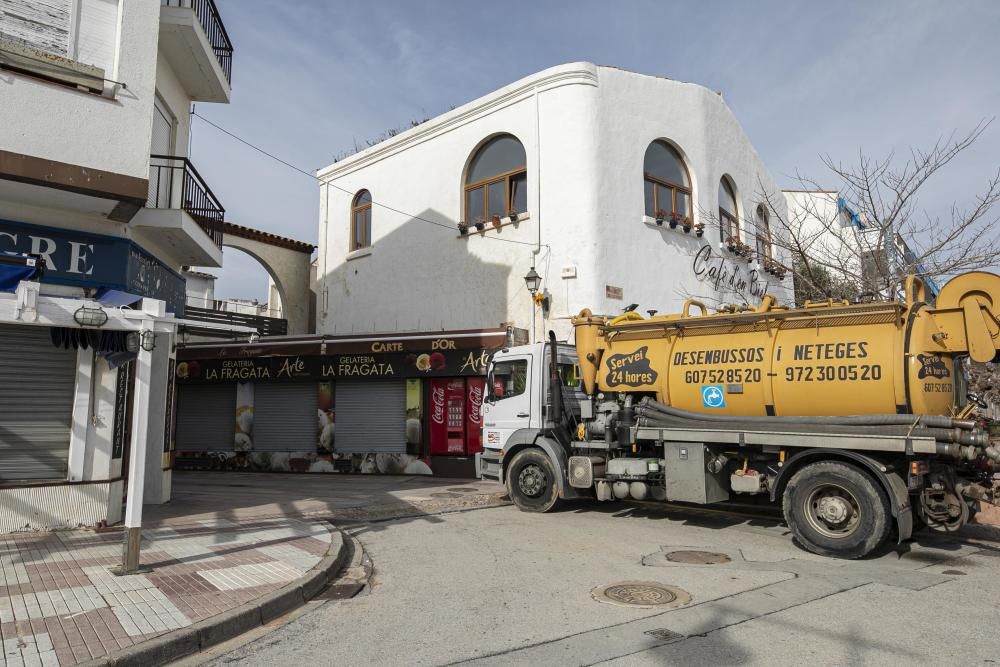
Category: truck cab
<point>517,407</point>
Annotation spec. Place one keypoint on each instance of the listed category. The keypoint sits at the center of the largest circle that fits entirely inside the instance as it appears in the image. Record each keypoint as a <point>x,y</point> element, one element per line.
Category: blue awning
<point>15,267</point>
<point>114,298</point>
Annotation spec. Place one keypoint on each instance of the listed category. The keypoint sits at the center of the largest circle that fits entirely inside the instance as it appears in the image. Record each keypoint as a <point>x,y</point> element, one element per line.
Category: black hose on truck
<point>930,421</point>
<point>939,434</point>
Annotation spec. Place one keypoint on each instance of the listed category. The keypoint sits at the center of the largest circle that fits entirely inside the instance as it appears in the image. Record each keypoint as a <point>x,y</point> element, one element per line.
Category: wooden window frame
<point>485,184</point>
<point>674,189</point>
<point>356,208</point>
<point>729,223</point>
<point>765,243</point>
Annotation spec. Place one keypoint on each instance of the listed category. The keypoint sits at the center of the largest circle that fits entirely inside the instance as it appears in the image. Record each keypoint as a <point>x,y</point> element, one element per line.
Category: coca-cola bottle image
<point>475,388</point>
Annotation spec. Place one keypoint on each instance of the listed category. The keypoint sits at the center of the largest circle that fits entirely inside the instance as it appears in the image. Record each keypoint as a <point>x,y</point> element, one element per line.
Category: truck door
<point>508,408</point>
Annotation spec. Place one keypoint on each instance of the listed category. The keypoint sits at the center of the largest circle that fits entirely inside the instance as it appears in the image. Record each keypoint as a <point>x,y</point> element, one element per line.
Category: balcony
<point>265,326</point>
<point>182,214</point>
<point>194,41</point>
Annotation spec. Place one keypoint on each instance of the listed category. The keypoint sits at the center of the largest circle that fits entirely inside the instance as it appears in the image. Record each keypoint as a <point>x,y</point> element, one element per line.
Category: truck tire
<point>835,509</point>
<point>531,481</point>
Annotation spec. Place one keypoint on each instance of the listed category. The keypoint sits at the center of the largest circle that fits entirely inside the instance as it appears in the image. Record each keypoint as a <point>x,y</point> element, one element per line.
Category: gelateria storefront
<point>395,404</point>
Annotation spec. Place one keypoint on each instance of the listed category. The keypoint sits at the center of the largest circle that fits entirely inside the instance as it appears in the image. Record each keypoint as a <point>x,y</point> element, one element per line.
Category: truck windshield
<point>508,378</point>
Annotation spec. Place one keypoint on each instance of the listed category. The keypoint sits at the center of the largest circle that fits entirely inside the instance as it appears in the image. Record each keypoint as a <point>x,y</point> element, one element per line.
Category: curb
<point>229,624</point>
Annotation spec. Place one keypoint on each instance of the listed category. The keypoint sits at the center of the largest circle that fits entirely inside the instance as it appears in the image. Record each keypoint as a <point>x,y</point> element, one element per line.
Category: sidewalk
<point>59,605</point>
<point>225,540</point>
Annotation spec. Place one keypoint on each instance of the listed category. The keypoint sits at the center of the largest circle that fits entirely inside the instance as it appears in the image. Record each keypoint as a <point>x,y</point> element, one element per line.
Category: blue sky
<point>311,78</point>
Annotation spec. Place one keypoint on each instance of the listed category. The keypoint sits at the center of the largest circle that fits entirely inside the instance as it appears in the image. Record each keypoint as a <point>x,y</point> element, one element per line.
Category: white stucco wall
<point>54,122</point>
<point>199,289</point>
<point>585,130</point>
<point>824,233</point>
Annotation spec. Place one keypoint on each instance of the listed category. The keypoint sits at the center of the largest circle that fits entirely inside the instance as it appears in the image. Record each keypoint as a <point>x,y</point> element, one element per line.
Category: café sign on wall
<point>726,275</point>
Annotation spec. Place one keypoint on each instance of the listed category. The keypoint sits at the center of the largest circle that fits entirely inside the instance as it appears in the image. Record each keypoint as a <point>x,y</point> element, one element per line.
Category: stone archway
<point>286,261</point>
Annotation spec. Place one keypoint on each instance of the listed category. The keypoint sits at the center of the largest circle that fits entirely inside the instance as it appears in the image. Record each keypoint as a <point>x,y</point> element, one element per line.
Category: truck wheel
<point>836,510</point>
<point>531,481</point>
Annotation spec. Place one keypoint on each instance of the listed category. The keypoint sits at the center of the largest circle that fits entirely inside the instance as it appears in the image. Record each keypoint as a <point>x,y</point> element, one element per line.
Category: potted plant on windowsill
<point>699,229</point>
<point>676,219</point>
<point>731,244</point>
<point>686,223</point>
<point>496,221</point>
<point>480,224</point>
<point>513,216</point>
<point>660,216</point>
<point>463,228</point>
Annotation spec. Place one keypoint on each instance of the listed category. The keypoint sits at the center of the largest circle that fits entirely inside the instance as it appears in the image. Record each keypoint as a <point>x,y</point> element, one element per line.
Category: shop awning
<point>15,267</point>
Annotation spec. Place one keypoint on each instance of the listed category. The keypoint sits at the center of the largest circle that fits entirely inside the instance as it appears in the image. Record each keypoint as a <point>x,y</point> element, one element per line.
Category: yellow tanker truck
<point>853,416</point>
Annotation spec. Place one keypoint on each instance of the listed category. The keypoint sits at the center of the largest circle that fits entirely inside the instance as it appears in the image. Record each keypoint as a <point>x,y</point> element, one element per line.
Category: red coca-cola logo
<point>437,401</point>
<point>476,399</point>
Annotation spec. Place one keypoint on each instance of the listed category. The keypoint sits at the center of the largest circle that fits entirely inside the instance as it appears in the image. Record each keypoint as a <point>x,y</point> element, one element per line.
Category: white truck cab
<point>515,402</point>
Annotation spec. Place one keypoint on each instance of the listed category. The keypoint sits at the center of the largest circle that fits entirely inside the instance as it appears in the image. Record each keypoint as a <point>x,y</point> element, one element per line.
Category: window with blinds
<point>82,31</point>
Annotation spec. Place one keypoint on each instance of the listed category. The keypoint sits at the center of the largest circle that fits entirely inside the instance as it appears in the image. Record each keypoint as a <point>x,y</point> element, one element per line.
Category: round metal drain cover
<point>641,594</point>
<point>698,557</point>
<point>463,489</point>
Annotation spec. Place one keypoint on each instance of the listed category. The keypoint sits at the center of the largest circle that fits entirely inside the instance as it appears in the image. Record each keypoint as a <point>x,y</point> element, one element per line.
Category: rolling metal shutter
<point>206,417</point>
<point>285,417</point>
<point>37,386</point>
<point>371,416</point>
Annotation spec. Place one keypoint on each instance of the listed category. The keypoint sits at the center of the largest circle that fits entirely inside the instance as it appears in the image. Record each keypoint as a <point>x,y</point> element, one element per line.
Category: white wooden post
<point>81,412</point>
<point>137,452</point>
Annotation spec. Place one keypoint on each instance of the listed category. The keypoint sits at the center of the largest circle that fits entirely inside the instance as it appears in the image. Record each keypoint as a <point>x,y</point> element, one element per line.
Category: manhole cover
<point>642,594</point>
<point>459,489</point>
<point>952,572</point>
<point>446,495</point>
<point>664,635</point>
<point>698,557</point>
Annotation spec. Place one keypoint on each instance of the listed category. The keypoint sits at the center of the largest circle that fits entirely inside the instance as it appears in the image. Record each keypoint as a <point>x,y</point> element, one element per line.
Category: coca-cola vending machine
<point>474,424</point>
<point>456,425</point>
<point>448,416</point>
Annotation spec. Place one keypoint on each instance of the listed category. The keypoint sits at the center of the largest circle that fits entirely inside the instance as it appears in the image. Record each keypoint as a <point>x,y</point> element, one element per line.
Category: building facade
<point>842,242</point>
<point>618,188</point>
<point>384,404</point>
<point>95,186</point>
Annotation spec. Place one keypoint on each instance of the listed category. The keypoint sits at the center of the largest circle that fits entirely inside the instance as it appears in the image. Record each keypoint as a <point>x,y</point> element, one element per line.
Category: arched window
<point>763,234</point>
<point>497,180</point>
<point>729,222</point>
<point>666,181</point>
<point>361,220</point>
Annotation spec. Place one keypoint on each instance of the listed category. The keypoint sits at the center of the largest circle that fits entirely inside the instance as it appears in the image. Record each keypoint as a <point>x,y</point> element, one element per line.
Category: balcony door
<point>161,174</point>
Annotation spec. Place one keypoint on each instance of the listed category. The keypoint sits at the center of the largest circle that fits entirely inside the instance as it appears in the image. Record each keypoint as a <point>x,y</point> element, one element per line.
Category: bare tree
<point>866,235</point>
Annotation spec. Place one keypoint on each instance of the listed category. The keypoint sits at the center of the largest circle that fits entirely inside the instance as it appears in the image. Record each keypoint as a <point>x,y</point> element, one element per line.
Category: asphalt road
<point>497,586</point>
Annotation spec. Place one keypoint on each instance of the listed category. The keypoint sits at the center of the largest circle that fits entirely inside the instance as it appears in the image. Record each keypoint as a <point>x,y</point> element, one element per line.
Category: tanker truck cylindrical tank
<point>839,359</point>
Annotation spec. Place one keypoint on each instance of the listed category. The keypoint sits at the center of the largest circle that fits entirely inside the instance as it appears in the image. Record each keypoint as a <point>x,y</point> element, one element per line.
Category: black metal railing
<point>175,183</point>
<point>211,23</point>
<point>265,326</point>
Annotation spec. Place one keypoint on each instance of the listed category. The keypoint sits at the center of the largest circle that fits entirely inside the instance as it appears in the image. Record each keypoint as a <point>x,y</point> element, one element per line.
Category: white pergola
<point>29,307</point>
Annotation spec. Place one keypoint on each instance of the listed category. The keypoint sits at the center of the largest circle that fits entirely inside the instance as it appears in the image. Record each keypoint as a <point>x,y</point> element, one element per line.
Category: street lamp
<point>532,281</point>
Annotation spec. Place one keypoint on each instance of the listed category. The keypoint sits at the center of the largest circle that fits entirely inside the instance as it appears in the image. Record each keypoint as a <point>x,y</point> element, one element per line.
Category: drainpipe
<point>326,250</point>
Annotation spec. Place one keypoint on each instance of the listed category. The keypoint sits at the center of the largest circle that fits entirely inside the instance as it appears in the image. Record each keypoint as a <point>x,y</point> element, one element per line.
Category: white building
<point>95,184</point>
<point>586,156</point>
<point>841,240</point>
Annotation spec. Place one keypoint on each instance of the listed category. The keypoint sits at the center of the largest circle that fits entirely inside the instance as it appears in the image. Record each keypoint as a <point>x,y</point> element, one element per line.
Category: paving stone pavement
<point>60,605</point>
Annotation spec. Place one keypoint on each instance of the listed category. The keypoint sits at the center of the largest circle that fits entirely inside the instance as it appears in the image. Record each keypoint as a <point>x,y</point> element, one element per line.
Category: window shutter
<point>97,33</point>
<point>39,24</point>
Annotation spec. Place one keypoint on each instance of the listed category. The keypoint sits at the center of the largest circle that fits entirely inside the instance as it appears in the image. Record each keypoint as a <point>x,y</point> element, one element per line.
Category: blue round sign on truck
<point>712,396</point>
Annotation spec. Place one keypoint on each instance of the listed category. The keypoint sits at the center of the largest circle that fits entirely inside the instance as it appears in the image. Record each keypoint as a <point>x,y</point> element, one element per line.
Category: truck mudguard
<point>892,481</point>
<point>524,438</point>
